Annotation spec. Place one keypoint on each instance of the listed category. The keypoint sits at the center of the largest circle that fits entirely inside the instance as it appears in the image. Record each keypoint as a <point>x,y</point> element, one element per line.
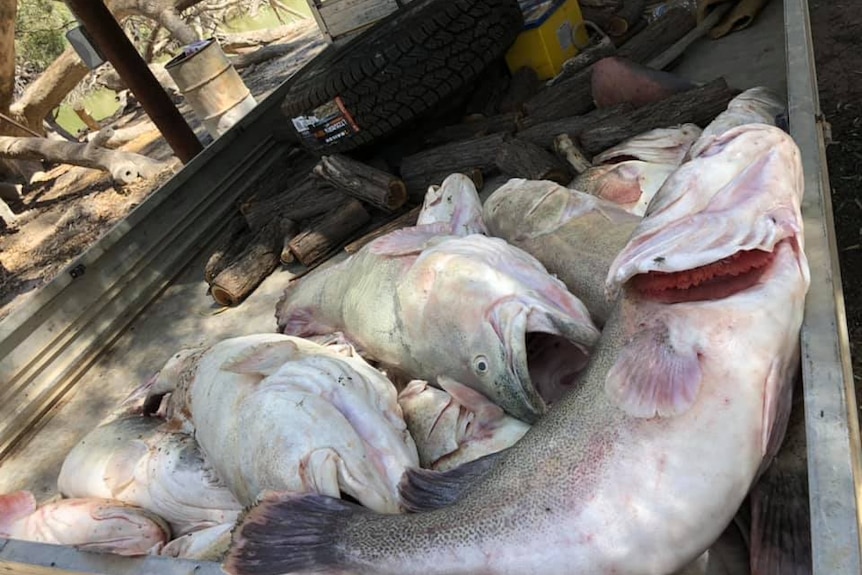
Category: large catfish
<point>474,309</point>
<point>642,465</point>
<point>276,412</point>
<point>575,235</point>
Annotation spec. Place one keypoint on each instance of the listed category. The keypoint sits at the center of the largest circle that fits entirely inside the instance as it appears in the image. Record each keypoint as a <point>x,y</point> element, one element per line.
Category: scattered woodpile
<point>524,128</point>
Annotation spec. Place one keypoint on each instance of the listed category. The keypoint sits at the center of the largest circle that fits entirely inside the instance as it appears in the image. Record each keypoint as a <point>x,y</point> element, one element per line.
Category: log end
<point>223,296</point>
<point>397,196</point>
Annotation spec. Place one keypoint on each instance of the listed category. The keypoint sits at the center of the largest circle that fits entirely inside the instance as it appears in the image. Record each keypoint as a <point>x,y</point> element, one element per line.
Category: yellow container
<point>553,31</point>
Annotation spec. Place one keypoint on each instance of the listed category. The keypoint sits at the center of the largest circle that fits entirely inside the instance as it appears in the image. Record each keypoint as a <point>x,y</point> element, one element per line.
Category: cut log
<point>289,229</point>
<point>524,85</point>
<point>232,244</point>
<point>566,149</point>
<point>543,134</point>
<point>658,36</point>
<point>698,106</point>
<point>522,159</point>
<point>259,259</point>
<point>233,42</point>
<point>262,54</point>
<point>405,220</point>
<point>571,97</point>
<point>586,57</point>
<point>329,232</point>
<point>370,185</point>
<point>502,123</point>
<point>431,166</point>
<point>306,199</point>
<point>124,167</point>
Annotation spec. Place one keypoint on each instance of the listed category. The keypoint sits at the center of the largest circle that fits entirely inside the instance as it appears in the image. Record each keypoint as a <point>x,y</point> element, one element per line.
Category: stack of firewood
<point>535,130</point>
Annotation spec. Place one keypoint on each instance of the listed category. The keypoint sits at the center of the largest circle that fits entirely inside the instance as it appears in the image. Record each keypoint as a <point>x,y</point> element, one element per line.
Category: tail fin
<point>426,490</point>
<point>286,533</point>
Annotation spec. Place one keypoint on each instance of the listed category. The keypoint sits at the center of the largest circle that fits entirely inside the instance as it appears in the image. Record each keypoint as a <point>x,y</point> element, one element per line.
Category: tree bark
<point>325,235</point>
<point>506,123</point>
<point>405,220</point>
<point>524,85</point>
<point>48,90</point>
<point>8,13</point>
<point>658,36</point>
<point>124,167</point>
<point>698,106</point>
<point>289,229</point>
<point>586,57</point>
<point>259,259</point>
<point>543,134</point>
<point>363,182</point>
<point>301,201</point>
<point>522,159</point>
<point>570,97</point>
<point>231,245</point>
<point>431,166</point>
<point>115,137</point>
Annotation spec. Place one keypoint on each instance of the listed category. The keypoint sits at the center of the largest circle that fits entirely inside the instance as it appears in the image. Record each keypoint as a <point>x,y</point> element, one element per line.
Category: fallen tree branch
<point>124,167</point>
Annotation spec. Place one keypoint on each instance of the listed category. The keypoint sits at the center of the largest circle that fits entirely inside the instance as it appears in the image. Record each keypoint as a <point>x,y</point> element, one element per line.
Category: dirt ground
<point>837,29</point>
<point>76,206</point>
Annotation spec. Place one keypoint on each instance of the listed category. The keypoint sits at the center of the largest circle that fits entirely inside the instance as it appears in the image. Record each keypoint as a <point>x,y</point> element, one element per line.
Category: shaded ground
<point>70,208</point>
<point>837,31</point>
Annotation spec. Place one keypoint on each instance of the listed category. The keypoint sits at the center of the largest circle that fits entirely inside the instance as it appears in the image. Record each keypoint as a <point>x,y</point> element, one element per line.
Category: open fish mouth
<point>718,280</point>
<point>554,364</point>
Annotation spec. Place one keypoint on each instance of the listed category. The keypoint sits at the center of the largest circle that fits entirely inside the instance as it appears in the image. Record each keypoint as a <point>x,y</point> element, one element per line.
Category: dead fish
<point>641,466</point>
<point>630,184</point>
<point>430,305</point>
<point>455,425</point>
<point>659,146</point>
<point>99,525</point>
<point>135,460</point>
<point>555,225</point>
<point>754,106</point>
<point>208,544</point>
<point>274,412</point>
<point>456,205</point>
<point>780,515</point>
<point>618,80</point>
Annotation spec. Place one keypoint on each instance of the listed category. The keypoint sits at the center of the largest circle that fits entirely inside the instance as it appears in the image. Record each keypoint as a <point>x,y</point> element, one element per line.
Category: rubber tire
<point>404,66</point>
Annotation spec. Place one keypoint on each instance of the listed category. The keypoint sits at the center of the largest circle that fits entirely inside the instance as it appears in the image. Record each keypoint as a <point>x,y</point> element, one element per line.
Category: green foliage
<point>40,29</point>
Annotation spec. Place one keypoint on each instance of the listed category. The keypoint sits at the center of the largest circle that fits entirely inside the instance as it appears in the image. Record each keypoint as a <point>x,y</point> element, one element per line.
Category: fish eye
<point>480,364</point>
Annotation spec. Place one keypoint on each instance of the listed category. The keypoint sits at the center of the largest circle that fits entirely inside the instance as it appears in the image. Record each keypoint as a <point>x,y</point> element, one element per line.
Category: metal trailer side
<point>68,355</point>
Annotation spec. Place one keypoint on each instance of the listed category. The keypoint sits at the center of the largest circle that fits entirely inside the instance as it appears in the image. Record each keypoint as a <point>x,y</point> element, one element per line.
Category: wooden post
<point>328,233</point>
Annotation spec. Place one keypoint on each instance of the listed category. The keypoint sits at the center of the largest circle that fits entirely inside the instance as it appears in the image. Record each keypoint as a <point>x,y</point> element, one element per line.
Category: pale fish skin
<point>659,146</point>
<point>209,544</point>
<point>135,460</point>
<point>98,525</point>
<point>455,426</point>
<point>574,235</point>
<point>754,106</point>
<point>455,204</point>
<point>274,412</point>
<point>426,305</point>
<point>631,184</point>
<point>642,465</point>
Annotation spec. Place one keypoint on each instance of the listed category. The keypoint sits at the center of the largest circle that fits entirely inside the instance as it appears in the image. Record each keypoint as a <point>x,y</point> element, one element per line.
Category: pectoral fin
<point>262,358</point>
<point>655,374</point>
<point>408,241</point>
<point>120,470</point>
<point>15,506</point>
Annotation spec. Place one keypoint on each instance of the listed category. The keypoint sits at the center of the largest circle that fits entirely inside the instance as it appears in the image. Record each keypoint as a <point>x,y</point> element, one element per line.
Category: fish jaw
<point>457,425</point>
<point>742,194</point>
<point>455,203</point>
<point>492,295</point>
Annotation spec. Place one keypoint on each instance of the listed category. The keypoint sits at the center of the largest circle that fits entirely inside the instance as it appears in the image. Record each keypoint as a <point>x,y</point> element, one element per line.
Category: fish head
<point>722,243</point>
<point>101,525</point>
<point>456,424</point>
<point>490,302</point>
<point>741,195</point>
<point>526,209</point>
<point>456,203</point>
<point>630,184</point>
<point>173,377</point>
